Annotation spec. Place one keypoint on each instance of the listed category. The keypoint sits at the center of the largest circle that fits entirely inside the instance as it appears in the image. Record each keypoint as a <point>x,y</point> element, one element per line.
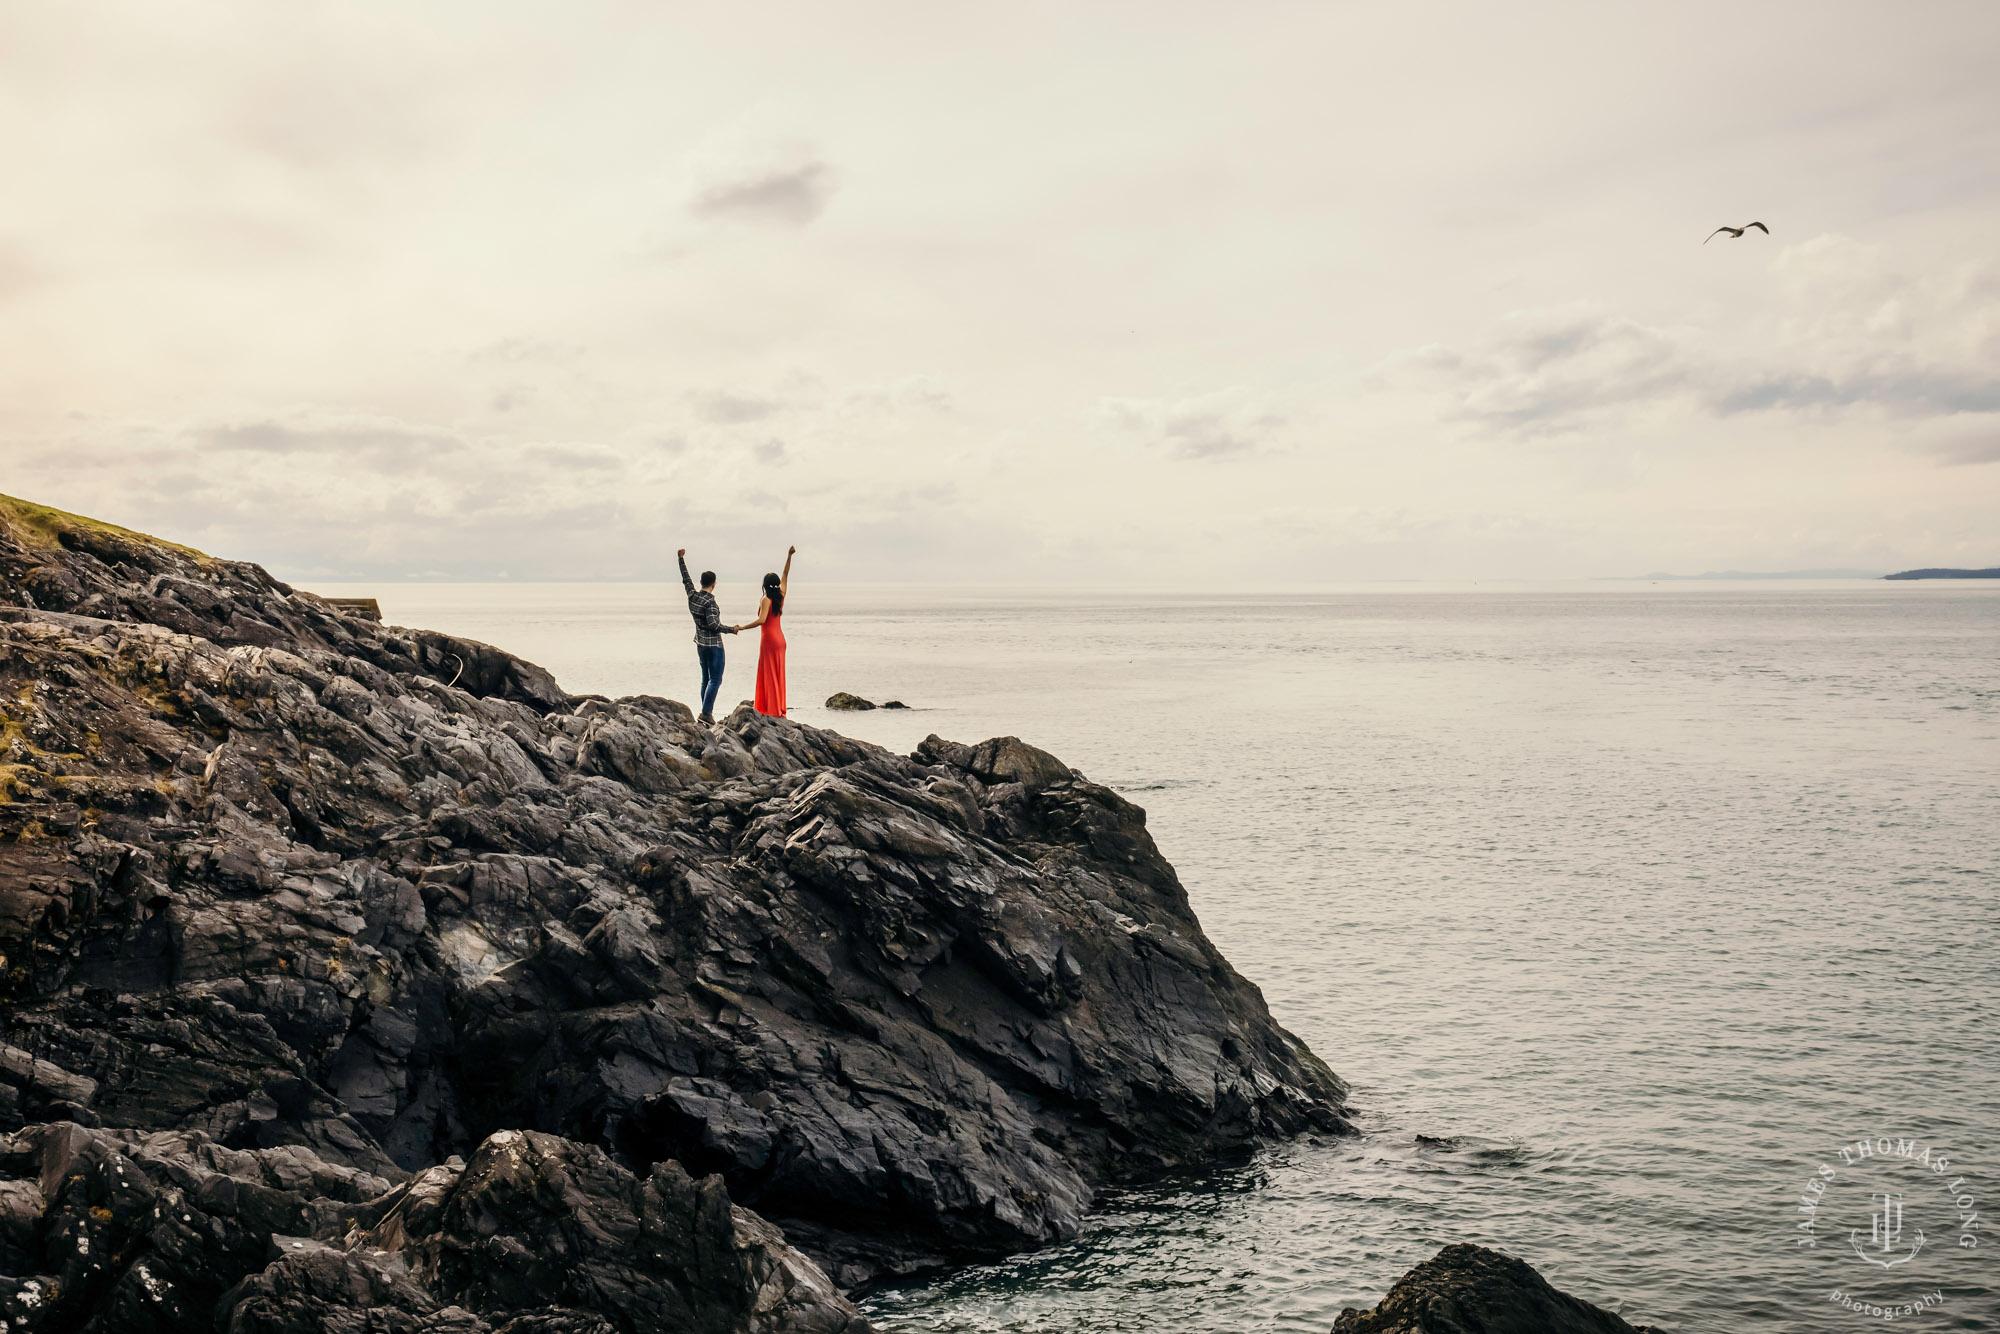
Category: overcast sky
<point>1084,290</point>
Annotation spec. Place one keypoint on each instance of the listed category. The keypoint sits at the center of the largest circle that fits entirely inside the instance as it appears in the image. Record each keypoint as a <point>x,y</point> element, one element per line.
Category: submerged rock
<point>1466,1289</point>
<point>294,883</point>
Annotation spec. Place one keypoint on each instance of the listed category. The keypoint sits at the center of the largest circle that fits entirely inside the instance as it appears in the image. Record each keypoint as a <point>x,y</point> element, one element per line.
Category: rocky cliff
<point>306,920</point>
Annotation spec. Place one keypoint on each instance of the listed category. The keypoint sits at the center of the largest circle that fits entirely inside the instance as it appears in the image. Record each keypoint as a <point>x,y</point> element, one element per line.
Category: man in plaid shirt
<point>708,633</point>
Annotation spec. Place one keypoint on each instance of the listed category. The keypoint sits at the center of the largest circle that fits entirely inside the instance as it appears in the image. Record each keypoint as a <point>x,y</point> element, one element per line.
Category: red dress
<point>771,668</point>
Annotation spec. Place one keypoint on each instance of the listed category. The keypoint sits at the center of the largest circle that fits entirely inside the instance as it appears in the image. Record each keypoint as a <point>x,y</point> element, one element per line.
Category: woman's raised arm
<point>785,579</point>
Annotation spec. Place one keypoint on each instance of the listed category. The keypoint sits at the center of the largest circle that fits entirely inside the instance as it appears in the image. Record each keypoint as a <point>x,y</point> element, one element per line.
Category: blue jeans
<point>711,675</point>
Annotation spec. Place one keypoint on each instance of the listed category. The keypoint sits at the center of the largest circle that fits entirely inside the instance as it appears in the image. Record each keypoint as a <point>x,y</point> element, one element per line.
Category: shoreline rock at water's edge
<point>1466,1288</point>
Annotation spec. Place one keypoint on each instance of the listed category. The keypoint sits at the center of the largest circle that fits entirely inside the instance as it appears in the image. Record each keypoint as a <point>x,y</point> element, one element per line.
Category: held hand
<point>682,552</point>
<point>791,552</point>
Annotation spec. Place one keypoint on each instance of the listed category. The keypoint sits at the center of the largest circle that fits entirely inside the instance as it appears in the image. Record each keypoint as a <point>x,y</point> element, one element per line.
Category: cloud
<point>17,272</point>
<point>1206,426</point>
<point>1550,371</point>
<point>335,101</point>
<point>1962,440</point>
<point>790,195</point>
<point>573,458</point>
<point>794,391</point>
<point>729,409</point>
<point>318,493</point>
<point>518,351</point>
<point>1896,385</point>
<point>382,445</point>
<point>339,447</point>
<point>1856,331</point>
<point>1841,332</point>
<point>912,393</point>
<point>1985,450</point>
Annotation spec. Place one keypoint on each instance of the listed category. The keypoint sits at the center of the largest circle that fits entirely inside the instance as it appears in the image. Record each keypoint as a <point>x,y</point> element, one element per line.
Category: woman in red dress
<point>771,651</point>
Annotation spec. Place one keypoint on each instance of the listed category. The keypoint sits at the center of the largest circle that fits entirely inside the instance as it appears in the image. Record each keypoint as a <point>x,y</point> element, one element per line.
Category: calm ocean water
<point>1636,901</point>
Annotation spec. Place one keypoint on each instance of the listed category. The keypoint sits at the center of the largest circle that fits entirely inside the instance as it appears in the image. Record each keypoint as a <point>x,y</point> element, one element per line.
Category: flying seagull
<point>1737,231</point>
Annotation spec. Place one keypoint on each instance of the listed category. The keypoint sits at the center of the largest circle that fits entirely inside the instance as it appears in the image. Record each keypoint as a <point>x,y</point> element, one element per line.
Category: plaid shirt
<point>708,626</point>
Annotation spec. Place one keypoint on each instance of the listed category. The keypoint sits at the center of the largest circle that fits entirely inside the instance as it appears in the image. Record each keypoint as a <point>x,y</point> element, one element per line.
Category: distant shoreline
<point>1747,574</point>
<point>1993,573</point>
<point>1939,573</point>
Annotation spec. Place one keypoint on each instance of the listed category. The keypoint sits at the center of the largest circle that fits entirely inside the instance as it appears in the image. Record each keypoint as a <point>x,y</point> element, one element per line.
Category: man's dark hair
<point>708,578</point>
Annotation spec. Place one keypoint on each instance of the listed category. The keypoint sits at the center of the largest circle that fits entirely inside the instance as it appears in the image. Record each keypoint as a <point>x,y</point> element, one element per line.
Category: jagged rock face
<point>285,879</point>
<point>170,1231</point>
<point>1466,1289</point>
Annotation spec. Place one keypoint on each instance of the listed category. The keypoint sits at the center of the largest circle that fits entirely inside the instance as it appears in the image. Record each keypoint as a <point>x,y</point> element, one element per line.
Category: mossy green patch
<point>43,526</point>
<point>19,780</point>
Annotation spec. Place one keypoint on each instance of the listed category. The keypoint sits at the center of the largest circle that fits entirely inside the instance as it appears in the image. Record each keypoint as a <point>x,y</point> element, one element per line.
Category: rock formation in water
<point>842,701</point>
<point>295,905</point>
<point>1467,1289</point>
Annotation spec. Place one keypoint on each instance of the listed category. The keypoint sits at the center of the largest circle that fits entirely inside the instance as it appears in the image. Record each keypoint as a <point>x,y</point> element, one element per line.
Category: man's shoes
<point>706,720</point>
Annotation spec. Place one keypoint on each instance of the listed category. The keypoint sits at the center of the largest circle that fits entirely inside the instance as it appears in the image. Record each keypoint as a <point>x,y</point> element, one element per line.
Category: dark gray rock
<point>171,1231</point>
<point>840,699</point>
<point>1466,1289</point>
<point>533,1219</point>
<point>1004,759</point>
<point>299,883</point>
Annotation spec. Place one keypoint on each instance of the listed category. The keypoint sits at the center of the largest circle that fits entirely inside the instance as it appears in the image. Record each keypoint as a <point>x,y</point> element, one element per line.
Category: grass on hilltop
<point>43,526</point>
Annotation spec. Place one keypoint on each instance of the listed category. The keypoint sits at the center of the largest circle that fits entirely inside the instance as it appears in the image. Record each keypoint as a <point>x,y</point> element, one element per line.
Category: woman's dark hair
<point>773,591</point>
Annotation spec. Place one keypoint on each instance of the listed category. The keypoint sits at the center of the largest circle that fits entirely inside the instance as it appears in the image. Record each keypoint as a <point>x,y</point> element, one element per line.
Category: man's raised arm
<point>686,582</point>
